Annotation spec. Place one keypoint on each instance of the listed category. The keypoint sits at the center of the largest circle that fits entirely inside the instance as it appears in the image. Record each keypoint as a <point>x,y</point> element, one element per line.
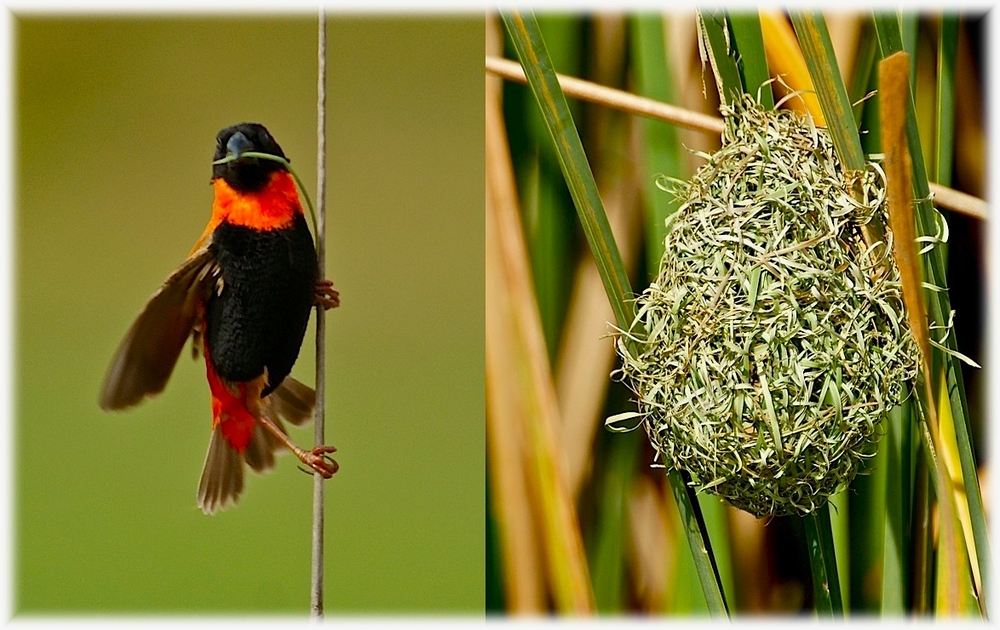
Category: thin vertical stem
<point>316,600</point>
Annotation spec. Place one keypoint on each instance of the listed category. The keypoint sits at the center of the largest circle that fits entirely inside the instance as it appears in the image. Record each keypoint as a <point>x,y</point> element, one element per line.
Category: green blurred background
<point>115,120</point>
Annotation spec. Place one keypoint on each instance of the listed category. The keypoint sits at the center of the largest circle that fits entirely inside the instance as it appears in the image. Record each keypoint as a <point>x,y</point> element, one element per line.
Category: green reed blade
<point>530,47</point>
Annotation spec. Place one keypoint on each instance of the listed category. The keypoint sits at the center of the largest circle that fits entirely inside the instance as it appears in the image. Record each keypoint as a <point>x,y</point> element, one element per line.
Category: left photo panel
<point>168,276</point>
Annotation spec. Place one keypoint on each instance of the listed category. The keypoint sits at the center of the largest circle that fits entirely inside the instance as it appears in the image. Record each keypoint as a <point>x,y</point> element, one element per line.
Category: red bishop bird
<point>244,295</point>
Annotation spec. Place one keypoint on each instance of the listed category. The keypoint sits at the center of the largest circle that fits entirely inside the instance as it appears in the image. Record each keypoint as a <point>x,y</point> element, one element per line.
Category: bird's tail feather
<point>222,477</point>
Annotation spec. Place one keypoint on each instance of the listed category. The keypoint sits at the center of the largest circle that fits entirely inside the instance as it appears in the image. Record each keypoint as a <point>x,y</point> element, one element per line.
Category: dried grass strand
<point>944,197</point>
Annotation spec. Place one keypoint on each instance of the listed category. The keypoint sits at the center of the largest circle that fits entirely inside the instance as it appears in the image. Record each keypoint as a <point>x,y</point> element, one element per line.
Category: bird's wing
<point>149,351</point>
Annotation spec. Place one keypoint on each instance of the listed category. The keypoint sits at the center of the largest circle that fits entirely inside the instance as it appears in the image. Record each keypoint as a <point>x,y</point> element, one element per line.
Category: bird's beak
<point>238,145</point>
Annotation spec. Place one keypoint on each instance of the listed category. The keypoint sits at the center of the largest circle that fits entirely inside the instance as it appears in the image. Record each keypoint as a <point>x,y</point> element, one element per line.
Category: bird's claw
<point>326,296</point>
<point>320,462</point>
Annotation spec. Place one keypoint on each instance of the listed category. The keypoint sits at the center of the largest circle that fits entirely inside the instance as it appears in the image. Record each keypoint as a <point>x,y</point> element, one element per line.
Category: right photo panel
<point>735,314</point>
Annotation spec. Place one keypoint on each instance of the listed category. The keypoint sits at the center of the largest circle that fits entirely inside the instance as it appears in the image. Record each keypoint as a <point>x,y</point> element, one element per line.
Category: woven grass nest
<point>773,340</point>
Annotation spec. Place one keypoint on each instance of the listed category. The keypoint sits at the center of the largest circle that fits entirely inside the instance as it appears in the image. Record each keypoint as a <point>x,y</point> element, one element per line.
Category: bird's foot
<point>326,296</point>
<point>318,460</point>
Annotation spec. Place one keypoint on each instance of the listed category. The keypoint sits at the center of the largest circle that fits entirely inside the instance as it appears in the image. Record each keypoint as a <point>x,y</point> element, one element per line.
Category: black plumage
<point>247,174</point>
<point>259,318</point>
